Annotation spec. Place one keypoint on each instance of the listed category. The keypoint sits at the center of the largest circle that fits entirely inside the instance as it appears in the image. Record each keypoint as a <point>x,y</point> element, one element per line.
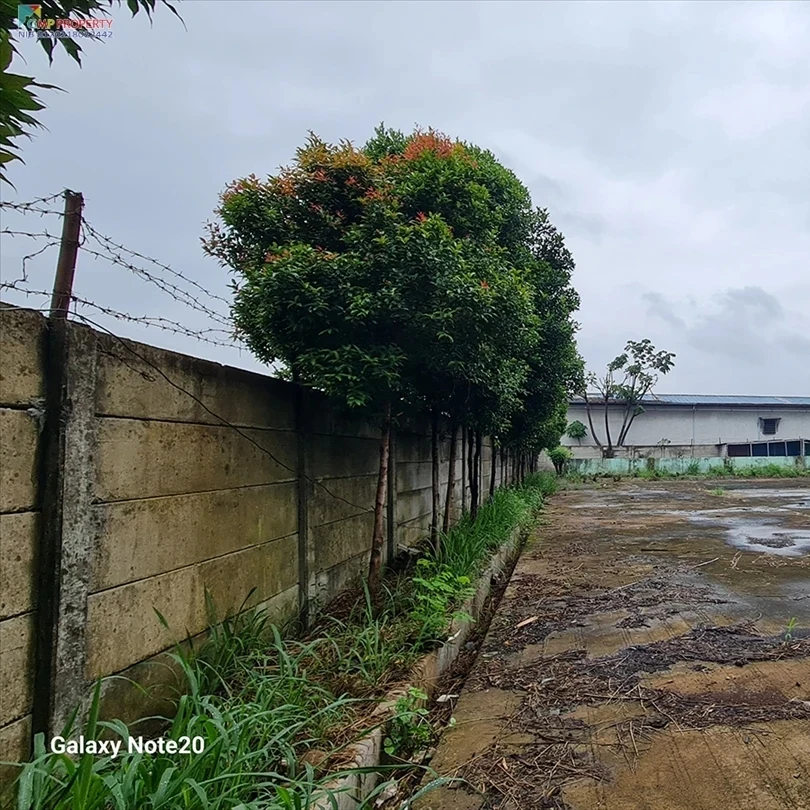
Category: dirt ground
<point>651,652</point>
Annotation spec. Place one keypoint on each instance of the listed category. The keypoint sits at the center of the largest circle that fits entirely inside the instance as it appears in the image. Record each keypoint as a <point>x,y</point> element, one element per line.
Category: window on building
<point>794,448</point>
<point>760,449</point>
<point>739,450</point>
<point>768,426</point>
<point>777,449</point>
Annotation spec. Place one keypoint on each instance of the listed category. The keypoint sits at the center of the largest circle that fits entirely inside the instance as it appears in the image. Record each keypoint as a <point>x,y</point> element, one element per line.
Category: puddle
<point>765,492</point>
<point>762,536</point>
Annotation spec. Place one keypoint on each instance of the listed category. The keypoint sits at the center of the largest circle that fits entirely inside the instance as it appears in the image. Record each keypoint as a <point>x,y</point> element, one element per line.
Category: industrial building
<point>697,426</point>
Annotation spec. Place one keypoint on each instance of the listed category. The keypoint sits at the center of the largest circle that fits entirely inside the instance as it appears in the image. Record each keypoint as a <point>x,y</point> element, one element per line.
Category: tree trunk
<point>608,451</point>
<point>463,470</point>
<point>435,463</point>
<point>479,466</point>
<point>375,562</point>
<point>451,479</point>
<point>476,474</point>
<point>471,468</point>
<point>474,468</point>
<point>590,423</point>
<point>493,470</point>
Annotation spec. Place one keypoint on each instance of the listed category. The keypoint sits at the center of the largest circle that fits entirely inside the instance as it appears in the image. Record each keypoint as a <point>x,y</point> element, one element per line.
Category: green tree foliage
<point>19,103</point>
<point>405,276</point>
<point>628,378</point>
<point>555,368</point>
<point>576,430</point>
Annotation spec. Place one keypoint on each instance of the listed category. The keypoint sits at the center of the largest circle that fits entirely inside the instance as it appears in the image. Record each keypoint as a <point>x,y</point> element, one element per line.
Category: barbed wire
<point>30,207</point>
<point>53,241</point>
<point>30,234</point>
<point>159,322</point>
<point>176,292</point>
<point>110,245</point>
<point>115,253</point>
<point>107,249</point>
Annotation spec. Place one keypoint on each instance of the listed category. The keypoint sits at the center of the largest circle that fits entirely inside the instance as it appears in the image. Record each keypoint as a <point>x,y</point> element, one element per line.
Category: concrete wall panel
<point>343,456</point>
<point>329,583</point>
<point>22,337</point>
<point>128,386</point>
<point>19,440</point>
<point>413,476</point>
<point>327,507</point>
<point>15,740</point>
<point>188,458</point>
<point>18,548</point>
<point>342,540</point>
<point>143,538</point>
<point>124,628</point>
<point>16,666</point>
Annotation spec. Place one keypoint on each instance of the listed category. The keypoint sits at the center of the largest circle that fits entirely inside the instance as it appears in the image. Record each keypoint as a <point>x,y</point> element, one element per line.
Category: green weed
<point>409,730</point>
<point>260,701</point>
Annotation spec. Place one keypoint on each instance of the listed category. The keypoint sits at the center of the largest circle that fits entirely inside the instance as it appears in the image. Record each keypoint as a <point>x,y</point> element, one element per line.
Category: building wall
<point>179,477</point>
<point>679,425</point>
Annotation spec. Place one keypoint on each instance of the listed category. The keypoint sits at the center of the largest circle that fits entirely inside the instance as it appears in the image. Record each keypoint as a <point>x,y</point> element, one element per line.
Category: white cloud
<point>669,141</point>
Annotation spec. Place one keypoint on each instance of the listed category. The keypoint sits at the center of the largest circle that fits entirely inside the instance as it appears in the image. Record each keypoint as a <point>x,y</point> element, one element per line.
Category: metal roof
<point>715,399</point>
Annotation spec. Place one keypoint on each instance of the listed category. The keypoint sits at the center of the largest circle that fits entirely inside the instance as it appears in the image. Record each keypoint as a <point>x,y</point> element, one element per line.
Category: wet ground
<point>652,651</point>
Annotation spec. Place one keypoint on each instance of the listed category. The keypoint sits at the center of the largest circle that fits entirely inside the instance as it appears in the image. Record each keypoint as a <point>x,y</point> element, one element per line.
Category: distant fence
<point>680,466</point>
<point>134,479</point>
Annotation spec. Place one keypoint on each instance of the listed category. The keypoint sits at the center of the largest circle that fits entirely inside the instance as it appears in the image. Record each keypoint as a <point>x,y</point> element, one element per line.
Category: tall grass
<point>468,544</point>
<point>260,702</point>
<point>254,726</point>
<point>446,572</point>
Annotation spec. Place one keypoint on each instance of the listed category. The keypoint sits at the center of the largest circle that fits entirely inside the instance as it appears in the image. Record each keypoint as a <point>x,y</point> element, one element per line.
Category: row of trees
<point>408,277</point>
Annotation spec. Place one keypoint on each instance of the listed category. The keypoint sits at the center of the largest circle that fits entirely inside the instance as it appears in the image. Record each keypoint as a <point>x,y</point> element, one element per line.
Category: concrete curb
<point>349,790</point>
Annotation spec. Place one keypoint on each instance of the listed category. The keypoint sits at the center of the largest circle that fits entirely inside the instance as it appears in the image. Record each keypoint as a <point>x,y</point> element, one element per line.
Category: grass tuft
<point>260,702</point>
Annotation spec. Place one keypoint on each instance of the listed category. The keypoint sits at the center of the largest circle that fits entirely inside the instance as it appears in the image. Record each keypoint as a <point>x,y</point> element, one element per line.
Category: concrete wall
<point>680,466</point>
<point>674,451</point>
<point>164,477</point>
<point>679,425</point>
<point>22,337</point>
<point>184,503</point>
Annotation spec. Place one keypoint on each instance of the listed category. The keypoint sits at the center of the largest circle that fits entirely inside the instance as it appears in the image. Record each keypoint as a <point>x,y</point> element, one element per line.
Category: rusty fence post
<point>68,251</point>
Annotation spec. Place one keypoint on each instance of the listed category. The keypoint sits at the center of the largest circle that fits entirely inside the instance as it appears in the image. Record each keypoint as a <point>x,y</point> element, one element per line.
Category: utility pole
<point>68,250</point>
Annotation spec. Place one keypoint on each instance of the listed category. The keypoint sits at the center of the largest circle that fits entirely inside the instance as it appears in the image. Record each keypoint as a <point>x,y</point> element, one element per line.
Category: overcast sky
<point>669,141</point>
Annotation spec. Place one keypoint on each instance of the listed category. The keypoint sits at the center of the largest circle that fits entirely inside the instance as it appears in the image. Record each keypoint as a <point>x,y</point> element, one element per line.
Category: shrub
<point>559,456</point>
